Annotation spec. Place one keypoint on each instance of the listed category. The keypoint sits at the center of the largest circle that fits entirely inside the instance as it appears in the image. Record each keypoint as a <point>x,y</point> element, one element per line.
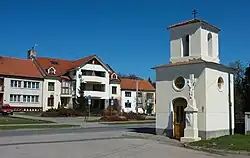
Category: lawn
<point>4,120</point>
<point>36,126</point>
<point>233,142</point>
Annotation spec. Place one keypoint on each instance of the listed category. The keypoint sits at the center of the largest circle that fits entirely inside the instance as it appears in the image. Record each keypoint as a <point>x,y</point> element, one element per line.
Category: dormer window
<point>52,71</point>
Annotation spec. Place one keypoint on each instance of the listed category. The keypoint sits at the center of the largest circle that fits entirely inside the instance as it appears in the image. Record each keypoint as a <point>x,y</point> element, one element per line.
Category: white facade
<point>212,86</point>
<point>212,103</point>
<point>51,92</point>
<point>116,94</point>
<point>23,93</point>
<point>93,80</point>
<point>203,43</point>
<point>128,100</point>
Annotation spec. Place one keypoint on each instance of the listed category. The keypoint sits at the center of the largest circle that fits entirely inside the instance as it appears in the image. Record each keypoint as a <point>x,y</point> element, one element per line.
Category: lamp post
<point>111,104</point>
<point>89,103</point>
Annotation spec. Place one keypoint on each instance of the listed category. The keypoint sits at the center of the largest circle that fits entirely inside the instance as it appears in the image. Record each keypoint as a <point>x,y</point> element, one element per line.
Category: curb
<point>127,122</point>
<point>159,138</point>
<point>216,151</point>
<point>37,129</point>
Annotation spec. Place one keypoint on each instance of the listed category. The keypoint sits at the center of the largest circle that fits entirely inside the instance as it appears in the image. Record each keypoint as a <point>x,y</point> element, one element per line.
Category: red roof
<point>60,65</point>
<point>192,21</point>
<point>18,67</point>
<point>130,84</point>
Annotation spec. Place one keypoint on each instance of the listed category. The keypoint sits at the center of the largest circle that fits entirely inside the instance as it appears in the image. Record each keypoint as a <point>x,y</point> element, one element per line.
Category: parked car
<point>5,109</point>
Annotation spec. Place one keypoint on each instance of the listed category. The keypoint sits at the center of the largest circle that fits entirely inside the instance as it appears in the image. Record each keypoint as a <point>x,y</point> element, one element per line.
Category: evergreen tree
<point>80,103</point>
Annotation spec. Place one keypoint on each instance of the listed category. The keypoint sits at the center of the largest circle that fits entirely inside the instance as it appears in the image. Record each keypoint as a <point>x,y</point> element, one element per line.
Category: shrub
<point>150,108</point>
<point>134,116</point>
<point>109,111</point>
<point>61,112</point>
<point>113,118</point>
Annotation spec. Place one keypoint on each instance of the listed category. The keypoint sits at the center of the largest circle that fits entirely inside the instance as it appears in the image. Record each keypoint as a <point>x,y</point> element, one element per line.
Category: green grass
<point>4,120</point>
<point>35,126</point>
<point>232,142</point>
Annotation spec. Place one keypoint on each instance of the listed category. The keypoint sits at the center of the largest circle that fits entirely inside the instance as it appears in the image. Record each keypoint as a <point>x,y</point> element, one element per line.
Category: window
<point>209,41</point>
<point>220,83</point>
<point>33,85</point>
<point>15,83</point>
<point>127,94</point>
<point>127,104</point>
<point>54,62</point>
<point>51,86</point>
<point>179,83</point>
<point>52,71</point>
<point>150,95</point>
<point>36,99</point>
<point>15,98</point>
<point>114,76</point>
<point>114,90</point>
<point>30,98</point>
<point>51,101</point>
<point>29,84</point>
<point>37,85</point>
<point>139,94</point>
<point>185,42</point>
<point>25,84</point>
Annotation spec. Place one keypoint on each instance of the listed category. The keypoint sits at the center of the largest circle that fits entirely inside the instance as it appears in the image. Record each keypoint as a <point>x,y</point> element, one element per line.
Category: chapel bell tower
<point>194,39</point>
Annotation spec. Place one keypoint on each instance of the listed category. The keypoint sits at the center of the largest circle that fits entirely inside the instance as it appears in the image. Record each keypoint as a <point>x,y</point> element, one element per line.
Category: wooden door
<point>179,120</point>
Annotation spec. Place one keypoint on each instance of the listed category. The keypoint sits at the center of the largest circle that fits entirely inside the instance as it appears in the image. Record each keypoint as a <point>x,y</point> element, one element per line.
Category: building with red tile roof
<point>136,95</point>
<point>21,84</point>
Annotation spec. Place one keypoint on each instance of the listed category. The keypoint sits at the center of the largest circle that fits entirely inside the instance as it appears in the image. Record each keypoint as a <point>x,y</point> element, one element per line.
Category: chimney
<point>31,53</point>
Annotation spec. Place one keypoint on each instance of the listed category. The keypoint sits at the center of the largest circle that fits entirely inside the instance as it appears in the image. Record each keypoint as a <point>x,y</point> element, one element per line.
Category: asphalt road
<point>147,128</point>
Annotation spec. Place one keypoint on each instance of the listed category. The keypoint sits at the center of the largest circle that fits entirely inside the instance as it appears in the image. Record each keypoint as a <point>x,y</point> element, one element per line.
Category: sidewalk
<point>65,120</point>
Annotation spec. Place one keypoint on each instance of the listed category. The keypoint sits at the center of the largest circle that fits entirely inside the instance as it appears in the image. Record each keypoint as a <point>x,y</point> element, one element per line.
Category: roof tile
<point>130,84</point>
<point>18,67</point>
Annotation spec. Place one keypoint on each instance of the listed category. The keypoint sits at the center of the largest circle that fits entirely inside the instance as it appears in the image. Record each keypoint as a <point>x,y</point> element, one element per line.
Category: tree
<point>246,90</point>
<point>239,76</point>
<point>80,102</point>
<point>129,76</point>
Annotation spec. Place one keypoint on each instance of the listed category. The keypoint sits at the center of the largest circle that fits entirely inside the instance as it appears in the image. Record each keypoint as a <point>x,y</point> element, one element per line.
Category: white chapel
<point>195,98</point>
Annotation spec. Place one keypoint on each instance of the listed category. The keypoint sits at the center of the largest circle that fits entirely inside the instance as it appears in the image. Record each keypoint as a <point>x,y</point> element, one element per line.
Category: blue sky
<point>129,35</point>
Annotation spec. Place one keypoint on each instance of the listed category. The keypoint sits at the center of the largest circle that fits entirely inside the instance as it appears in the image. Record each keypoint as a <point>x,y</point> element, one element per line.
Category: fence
<point>247,122</point>
<point>239,123</point>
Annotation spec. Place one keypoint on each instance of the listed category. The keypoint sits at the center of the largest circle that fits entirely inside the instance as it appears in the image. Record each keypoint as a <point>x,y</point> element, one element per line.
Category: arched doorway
<point>179,104</point>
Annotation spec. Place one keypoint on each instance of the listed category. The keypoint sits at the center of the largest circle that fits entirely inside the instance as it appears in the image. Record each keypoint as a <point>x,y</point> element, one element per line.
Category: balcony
<point>66,91</point>
<point>66,88</point>
<point>95,90</point>
<point>94,76</point>
<point>96,94</point>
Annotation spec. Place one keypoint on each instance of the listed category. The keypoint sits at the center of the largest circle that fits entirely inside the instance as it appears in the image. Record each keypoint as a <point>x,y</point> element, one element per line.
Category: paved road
<point>86,129</point>
<point>93,145</point>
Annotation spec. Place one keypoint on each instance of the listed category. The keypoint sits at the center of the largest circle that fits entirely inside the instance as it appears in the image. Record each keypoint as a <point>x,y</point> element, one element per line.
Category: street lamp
<point>89,103</point>
<point>112,101</point>
<point>111,105</point>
